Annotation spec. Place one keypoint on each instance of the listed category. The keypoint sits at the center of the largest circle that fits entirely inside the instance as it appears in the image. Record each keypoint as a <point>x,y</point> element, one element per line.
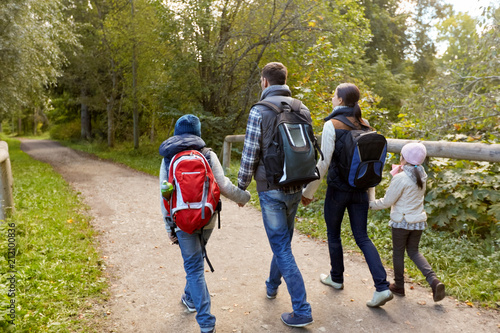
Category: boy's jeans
<point>196,287</point>
<point>278,213</point>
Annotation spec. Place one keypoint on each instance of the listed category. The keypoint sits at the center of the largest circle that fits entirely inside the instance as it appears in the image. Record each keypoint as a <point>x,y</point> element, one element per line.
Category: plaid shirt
<point>250,156</point>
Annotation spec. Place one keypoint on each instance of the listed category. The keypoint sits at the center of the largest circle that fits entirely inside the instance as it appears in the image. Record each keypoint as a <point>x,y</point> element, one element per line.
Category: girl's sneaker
<point>396,291</point>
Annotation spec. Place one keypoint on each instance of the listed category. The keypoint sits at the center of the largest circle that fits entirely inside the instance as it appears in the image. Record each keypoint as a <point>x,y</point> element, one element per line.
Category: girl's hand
<point>396,168</point>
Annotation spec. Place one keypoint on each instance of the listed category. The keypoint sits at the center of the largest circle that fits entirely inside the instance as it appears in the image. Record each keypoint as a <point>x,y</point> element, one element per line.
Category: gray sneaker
<point>327,279</point>
<point>380,298</point>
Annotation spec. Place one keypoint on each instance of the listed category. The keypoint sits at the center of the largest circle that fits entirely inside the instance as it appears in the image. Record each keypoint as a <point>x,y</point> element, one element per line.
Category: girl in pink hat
<point>405,196</point>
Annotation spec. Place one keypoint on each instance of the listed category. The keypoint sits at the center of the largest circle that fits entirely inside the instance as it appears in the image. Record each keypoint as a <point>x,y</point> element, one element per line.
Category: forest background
<point>115,75</point>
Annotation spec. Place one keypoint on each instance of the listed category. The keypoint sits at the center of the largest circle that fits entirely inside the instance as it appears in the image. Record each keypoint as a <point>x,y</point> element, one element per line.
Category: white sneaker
<point>380,298</point>
<point>327,279</point>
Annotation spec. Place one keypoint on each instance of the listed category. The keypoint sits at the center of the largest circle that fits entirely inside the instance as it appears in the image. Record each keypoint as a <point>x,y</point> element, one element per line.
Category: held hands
<point>173,238</point>
<point>249,197</point>
<point>305,201</point>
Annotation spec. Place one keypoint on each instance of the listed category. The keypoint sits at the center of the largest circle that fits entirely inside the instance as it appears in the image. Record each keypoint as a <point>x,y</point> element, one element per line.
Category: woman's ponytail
<point>357,113</point>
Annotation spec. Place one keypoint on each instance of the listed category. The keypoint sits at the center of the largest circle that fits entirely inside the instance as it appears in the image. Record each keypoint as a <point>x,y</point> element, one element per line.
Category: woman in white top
<point>341,196</point>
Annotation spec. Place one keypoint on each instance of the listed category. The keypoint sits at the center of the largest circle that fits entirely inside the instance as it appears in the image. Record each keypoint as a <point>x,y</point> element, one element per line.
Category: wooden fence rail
<point>6,198</point>
<point>454,150</point>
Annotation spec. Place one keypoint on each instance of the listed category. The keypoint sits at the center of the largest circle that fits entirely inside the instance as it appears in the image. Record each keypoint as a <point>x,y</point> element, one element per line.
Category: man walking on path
<point>278,204</point>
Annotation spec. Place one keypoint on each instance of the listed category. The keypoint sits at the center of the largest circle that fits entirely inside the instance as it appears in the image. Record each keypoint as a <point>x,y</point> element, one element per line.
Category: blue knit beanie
<point>188,124</point>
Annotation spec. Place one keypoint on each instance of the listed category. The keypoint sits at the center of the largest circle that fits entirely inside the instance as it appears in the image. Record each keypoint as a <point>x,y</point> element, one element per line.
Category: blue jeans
<point>278,213</point>
<point>356,203</point>
<point>196,287</point>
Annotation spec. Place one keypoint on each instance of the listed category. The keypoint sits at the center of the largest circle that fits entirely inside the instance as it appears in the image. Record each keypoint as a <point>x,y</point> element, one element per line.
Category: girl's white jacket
<point>405,199</point>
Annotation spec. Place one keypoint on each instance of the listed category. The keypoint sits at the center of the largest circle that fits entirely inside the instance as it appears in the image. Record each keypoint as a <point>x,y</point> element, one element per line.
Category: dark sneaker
<point>396,291</point>
<point>189,305</point>
<point>293,320</point>
<point>271,294</point>
<point>438,292</point>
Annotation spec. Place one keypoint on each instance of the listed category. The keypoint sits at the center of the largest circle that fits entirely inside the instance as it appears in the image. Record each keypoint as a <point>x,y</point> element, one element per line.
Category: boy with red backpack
<point>186,144</point>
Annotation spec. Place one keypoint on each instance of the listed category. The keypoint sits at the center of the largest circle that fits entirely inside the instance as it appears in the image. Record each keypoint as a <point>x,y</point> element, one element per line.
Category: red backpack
<point>196,194</point>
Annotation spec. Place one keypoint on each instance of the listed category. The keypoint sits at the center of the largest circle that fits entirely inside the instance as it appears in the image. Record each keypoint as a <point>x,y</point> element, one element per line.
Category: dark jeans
<point>408,240</point>
<point>356,203</point>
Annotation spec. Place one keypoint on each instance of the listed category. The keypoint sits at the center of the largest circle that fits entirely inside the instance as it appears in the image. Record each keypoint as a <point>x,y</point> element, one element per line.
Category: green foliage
<point>463,198</point>
<point>461,103</point>
<point>388,25</point>
<point>34,34</point>
<point>66,131</point>
<point>57,267</point>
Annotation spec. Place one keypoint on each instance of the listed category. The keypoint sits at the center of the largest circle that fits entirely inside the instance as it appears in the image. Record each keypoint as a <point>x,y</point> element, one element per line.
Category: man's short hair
<point>275,73</point>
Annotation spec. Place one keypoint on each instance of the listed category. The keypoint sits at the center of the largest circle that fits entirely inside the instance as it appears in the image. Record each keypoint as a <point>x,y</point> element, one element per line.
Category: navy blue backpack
<point>362,159</point>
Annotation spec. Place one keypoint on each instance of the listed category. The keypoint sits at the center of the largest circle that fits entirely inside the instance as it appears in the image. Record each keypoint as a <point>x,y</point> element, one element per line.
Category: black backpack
<point>362,158</point>
<point>292,155</point>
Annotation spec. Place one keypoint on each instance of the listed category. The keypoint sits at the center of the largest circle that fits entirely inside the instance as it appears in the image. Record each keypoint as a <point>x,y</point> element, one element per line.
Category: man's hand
<point>305,201</point>
<point>173,238</point>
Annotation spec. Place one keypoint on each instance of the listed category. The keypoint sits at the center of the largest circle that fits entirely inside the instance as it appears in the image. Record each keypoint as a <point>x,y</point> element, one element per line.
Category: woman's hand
<point>305,201</point>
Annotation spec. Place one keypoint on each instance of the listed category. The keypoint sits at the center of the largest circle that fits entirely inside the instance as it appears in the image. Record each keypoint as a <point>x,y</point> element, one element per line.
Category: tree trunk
<point>134,83</point>
<point>35,113</point>
<point>85,117</point>
<point>110,106</point>
<point>111,130</point>
<point>19,125</point>
<point>152,132</point>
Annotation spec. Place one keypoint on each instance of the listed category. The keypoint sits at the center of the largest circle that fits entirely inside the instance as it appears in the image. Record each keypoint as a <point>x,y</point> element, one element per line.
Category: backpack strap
<point>343,119</point>
<point>270,105</point>
<point>295,105</point>
<point>204,250</point>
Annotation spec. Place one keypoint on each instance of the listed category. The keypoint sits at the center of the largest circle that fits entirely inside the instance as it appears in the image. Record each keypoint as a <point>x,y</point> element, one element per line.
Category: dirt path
<point>147,276</point>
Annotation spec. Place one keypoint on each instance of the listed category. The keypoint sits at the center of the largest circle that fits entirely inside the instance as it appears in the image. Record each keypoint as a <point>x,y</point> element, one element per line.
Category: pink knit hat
<point>414,153</point>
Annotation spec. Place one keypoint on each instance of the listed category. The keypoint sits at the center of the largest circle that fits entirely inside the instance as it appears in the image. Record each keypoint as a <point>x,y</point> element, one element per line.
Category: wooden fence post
<point>6,198</point>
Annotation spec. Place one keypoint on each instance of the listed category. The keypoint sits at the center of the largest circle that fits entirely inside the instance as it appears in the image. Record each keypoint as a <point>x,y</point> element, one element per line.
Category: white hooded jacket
<point>405,198</point>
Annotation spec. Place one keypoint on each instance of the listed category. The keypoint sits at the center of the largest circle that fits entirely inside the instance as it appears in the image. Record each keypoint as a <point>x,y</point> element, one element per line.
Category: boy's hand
<point>173,238</point>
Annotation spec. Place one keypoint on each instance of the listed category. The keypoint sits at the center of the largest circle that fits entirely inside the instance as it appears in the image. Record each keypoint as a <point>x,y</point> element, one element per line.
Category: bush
<point>67,131</point>
<point>463,197</point>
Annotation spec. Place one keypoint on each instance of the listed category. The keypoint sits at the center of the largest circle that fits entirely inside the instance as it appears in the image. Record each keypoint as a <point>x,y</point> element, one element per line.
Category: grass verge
<point>468,269</point>
<point>58,281</point>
